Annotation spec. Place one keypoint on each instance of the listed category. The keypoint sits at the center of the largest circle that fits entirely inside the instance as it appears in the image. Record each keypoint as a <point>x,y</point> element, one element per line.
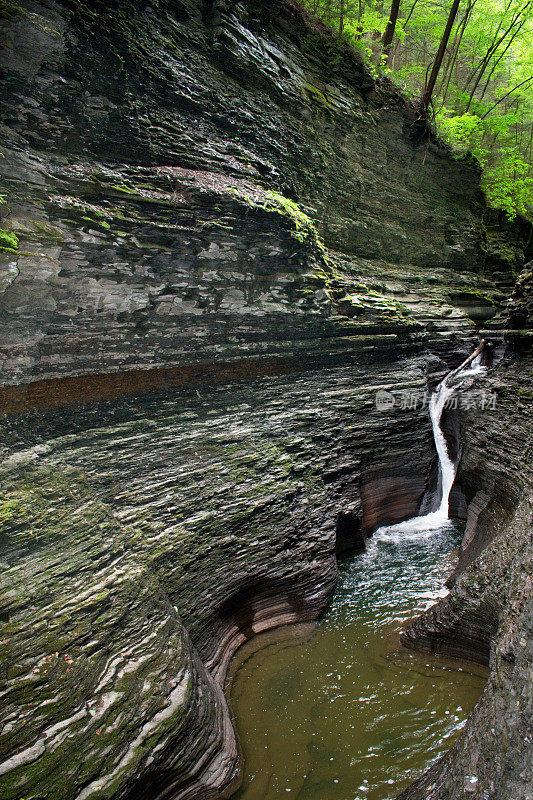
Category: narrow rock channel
<point>348,709</point>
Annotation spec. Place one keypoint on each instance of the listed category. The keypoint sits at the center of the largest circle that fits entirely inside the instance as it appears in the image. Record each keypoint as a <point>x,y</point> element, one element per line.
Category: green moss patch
<point>471,297</point>
<point>304,227</point>
<point>8,241</point>
<point>11,11</point>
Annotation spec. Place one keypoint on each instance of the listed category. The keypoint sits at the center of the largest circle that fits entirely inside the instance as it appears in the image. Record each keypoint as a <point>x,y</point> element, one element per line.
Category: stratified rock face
<point>99,674</point>
<point>520,311</point>
<point>488,616</point>
<point>198,193</point>
<point>150,154</point>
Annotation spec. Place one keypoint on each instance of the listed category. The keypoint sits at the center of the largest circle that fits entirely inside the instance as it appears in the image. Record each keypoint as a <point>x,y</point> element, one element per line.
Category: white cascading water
<point>439,518</point>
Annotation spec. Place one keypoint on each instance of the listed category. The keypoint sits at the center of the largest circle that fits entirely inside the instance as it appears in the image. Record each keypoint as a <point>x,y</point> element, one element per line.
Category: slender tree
<point>502,54</point>
<point>527,80</point>
<point>410,14</point>
<point>446,78</point>
<point>388,35</point>
<point>341,17</point>
<point>486,61</point>
<point>492,46</point>
<point>430,84</point>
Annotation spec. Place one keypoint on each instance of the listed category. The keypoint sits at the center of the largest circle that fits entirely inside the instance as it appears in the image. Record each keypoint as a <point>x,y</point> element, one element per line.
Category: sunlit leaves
<point>483,100</point>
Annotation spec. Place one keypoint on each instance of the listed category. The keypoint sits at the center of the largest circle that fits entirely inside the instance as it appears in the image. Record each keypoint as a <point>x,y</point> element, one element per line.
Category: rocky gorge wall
<point>219,238</point>
<point>145,540</point>
<point>488,615</point>
<point>153,157</point>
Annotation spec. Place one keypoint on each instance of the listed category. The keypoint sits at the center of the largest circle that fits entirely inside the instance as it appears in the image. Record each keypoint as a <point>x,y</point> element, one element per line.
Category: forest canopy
<point>468,66</point>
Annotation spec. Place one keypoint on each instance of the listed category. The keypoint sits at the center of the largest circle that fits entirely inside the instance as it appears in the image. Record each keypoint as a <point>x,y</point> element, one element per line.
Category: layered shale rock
<point>167,170</point>
<point>99,673</point>
<point>144,541</point>
<point>221,229</point>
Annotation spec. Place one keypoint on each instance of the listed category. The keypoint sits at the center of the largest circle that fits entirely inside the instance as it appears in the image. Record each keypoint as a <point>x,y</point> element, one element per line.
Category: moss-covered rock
<point>171,196</point>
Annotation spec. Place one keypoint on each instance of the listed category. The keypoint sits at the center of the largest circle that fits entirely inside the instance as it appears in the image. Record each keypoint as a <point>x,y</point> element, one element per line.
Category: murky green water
<point>342,713</point>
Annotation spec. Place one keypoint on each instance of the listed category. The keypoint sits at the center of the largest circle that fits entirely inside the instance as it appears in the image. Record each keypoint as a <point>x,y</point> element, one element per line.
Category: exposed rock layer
<point>151,152</point>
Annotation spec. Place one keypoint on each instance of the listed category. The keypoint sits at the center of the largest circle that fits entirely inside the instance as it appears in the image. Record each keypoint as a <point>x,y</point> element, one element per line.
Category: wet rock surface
<point>213,256</point>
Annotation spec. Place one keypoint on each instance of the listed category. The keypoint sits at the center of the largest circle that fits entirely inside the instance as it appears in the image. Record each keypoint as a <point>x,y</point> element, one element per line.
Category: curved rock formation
<point>214,259</point>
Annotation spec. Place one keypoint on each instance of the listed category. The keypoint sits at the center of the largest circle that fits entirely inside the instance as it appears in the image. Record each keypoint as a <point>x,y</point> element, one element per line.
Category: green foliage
<point>303,227</point>
<point>461,130</point>
<point>483,99</point>
<point>12,509</point>
<point>506,180</point>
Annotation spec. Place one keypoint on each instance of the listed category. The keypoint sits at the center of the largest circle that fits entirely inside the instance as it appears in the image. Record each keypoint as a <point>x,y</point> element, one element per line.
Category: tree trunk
<point>341,17</point>
<point>489,55</point>
<point>378,7</point>
<point>408,17</point>
<point>506,96</point>
<point>428,91</point>
<point>388,36</point>
<point>447,78</point>
<point>507,46</point>
<point>491,51</point>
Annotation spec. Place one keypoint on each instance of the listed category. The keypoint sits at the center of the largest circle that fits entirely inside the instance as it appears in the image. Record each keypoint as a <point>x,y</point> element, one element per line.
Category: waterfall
<point>446,388</point>
<point>446,466</point>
